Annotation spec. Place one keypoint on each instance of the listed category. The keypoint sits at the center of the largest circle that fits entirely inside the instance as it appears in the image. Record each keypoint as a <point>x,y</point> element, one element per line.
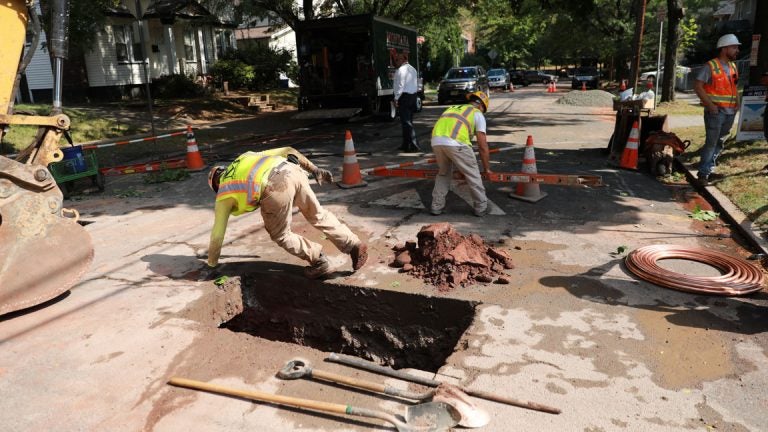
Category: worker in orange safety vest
<point>716,85</point>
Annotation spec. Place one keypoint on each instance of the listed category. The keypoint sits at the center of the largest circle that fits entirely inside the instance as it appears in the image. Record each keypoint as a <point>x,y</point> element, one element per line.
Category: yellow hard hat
<point>481,97</point>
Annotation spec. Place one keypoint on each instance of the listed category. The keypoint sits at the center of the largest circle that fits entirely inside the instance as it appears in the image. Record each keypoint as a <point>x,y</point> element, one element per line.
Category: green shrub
<point>254,66</point>
<point>176,86</point>
<point>236,72</point>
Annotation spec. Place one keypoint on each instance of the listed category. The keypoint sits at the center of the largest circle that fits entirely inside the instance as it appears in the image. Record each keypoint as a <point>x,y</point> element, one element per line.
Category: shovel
<point>469,414</point>
<point>427,417</point>
<point>373,367</point>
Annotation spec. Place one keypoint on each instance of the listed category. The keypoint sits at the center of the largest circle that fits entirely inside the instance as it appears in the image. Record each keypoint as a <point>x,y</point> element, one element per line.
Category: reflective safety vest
<point>723,91</point>
<point>458,123</point>
<point>244,179</point>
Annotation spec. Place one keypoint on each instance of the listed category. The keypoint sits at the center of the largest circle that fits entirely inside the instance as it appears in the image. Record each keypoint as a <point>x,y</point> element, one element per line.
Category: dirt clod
<point>445,258</point>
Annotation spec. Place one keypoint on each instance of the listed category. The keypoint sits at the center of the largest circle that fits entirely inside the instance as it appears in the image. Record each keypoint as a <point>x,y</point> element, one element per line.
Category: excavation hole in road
<point>391,328</point>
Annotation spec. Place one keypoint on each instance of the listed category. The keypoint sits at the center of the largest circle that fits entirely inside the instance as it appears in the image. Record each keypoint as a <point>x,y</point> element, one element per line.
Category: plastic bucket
<point>75,154</point>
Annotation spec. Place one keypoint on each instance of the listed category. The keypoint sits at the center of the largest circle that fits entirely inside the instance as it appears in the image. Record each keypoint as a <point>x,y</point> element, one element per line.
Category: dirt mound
<point>445,258</point>
<point>592,98</point>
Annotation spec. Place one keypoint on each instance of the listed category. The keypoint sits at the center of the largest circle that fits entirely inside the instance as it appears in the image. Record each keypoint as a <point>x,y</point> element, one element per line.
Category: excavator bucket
<point>42,252</point>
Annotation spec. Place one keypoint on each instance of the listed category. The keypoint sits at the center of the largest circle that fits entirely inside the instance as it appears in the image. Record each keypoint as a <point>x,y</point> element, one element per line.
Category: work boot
<point>481,213</point>
<point>703,179</point>
<point>359,256</point>
<point>319,269</point>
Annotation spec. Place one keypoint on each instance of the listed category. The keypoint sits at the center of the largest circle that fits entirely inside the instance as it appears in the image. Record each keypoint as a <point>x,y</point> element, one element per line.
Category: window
<point>127,43</point>
<point>189,44</point>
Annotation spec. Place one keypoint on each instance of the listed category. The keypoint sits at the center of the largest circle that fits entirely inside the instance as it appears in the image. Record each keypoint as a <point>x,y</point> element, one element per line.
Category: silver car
<point>498,78</point>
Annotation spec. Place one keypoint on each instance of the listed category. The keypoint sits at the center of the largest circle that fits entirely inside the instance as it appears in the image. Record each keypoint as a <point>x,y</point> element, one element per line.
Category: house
<point>172,37</point>
<point>179,37</point>
<point>269,32</point>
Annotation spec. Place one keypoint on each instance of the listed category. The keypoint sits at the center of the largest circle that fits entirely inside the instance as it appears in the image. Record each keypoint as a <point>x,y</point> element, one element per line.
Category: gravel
<point>592,98</point>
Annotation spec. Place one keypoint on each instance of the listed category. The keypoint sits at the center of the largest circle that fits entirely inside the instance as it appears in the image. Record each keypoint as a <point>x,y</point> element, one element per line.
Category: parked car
<point>498,78</point>
<point>518,78</point>
<point>459,81</point>
<point>588,77</point>
<point>535,76</point>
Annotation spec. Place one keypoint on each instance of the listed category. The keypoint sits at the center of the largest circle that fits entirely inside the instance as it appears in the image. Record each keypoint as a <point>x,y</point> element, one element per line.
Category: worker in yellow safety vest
<point>275,181</point>
<point>716,85</point>
<point>452,146</point>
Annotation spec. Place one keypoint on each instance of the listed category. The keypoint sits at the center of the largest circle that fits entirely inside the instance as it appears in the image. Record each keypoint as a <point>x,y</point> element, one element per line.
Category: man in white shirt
<point>405,89</point>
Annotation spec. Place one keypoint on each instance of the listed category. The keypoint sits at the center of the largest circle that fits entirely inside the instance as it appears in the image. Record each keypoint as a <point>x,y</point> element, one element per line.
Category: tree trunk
<point>637,42</point>
<point>674,15</point>
<point>761,16</point>
<point>309,10</point>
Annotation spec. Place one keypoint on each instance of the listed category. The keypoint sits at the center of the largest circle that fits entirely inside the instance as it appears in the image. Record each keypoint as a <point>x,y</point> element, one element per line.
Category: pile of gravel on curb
<point>593,98</point>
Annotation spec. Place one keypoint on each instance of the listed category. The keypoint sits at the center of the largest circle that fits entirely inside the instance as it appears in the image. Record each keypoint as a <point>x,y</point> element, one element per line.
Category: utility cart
<point>76,165</point>
<point>627,113</point>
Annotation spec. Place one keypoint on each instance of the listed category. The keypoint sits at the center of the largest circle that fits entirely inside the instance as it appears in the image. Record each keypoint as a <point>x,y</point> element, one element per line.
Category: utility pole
<point>637,43</point>
<point>675,13</point>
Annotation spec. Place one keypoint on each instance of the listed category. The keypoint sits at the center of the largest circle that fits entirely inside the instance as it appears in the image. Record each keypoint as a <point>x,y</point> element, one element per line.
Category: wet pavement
<point>574,329</point>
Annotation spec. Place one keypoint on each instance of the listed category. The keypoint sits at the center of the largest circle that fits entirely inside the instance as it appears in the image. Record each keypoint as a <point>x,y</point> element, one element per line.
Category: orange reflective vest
<point>722,90</point>
<point>245,178</point>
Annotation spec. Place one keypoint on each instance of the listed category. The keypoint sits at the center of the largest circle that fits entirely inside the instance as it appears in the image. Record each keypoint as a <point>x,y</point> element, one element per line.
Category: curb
<point>732,214</point>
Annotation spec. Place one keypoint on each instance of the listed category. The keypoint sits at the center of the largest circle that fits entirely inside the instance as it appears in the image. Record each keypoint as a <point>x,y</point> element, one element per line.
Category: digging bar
<point>426,417</point>
<point>373,367</point>
<point>469,414</point>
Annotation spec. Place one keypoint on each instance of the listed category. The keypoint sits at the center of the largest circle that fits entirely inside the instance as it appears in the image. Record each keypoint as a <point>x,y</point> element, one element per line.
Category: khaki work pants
<point>463,158</point>
<point>289,186</point>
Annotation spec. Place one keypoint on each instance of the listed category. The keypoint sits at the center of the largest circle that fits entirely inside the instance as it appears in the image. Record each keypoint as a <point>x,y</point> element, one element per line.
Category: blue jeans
<point>718,127</point>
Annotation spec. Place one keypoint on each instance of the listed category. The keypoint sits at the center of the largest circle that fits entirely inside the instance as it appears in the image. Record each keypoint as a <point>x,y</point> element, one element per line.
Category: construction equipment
<point>44,250</point>
<point>427,417</point>
<point>373,367</point>
<point>497,177</point>
<point>468,413</point>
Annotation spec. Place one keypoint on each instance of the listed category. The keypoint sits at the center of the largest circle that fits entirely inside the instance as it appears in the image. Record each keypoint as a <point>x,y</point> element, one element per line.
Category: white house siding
<point>39,72</point>
<point>102,65</point>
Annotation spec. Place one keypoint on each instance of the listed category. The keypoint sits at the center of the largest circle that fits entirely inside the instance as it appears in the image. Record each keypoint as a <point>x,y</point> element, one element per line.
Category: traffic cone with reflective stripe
<point>549,88</point>
<point>530,191</point>
<point>629,156</point>
<point>583,86</point>
<point>194,159</point>
<point>554,86</point>
<point>350,177</point>
<point>512,87</point>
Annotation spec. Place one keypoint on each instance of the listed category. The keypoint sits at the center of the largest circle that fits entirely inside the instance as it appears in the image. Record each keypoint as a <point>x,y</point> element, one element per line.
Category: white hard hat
<point>727,40</point>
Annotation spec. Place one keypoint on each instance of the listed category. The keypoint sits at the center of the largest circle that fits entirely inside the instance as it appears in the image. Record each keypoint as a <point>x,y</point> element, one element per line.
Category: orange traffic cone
<point>512,87</point>
<point>583,86</point>
<point>623,85</point>
<point>554,86</point>
<point>194,159</point>
<point>350,177</point>
<point>629,156</point>
<point>528,191</point>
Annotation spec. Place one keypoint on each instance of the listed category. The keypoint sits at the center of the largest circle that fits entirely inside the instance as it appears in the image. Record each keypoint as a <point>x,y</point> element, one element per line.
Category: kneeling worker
<point>452,145</point>
<point>275,181</point>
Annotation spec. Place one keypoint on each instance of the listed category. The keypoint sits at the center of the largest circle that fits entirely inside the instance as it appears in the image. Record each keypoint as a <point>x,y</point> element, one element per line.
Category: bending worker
<point>452,145</point>
<point>275,181</point>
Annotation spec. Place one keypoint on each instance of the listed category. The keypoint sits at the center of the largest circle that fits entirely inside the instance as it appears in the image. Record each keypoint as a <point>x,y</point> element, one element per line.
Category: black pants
<point>765,120</point>
<point>407,106</point>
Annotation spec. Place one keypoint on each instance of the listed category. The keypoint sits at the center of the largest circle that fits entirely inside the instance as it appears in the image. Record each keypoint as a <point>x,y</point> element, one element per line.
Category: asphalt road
<point>574,330</point>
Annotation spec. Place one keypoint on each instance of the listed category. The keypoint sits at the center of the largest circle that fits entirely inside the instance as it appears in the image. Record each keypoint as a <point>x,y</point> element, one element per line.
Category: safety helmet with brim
<point>213,177</point>
<point>480,97</point>
<point>727,40</point>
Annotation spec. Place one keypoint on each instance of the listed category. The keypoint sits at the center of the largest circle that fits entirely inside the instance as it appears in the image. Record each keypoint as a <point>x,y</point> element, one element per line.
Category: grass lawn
<point>679,108</point>
<point>743,164</point>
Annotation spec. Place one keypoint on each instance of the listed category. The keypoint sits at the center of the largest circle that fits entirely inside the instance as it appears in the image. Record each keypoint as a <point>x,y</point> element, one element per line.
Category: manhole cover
<point>397,329</point>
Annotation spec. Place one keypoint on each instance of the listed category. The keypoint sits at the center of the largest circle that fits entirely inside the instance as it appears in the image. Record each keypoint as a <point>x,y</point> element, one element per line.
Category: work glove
<point>323,176</point>
<point>215,274</point>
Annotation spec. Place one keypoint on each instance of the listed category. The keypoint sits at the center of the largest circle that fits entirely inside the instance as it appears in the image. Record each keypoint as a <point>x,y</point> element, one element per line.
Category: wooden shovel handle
<point>368,385</point>
<point>510,401</point>
<point>263,397</point>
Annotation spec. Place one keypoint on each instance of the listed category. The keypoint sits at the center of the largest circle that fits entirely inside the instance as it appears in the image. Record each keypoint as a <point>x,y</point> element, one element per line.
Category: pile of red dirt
<point>445,258</point>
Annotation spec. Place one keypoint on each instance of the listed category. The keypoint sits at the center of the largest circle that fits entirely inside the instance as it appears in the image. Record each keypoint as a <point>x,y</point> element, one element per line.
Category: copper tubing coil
<point>739,277</point>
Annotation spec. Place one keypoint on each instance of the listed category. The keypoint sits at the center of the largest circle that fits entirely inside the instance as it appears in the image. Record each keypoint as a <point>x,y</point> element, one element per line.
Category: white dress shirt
<point>405,80</point>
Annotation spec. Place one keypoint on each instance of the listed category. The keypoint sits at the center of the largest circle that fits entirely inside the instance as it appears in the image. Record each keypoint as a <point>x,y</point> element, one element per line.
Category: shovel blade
<point>430,417</point>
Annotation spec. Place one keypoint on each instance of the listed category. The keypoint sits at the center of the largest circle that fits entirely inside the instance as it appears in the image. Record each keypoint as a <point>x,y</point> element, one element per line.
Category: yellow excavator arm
<point>43,250</point>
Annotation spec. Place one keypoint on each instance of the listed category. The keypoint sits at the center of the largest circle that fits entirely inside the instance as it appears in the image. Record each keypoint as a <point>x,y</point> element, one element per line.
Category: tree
<point>86,19</point>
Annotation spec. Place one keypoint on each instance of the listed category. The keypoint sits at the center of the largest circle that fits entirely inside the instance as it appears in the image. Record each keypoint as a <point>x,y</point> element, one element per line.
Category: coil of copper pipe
<point>738,276</point>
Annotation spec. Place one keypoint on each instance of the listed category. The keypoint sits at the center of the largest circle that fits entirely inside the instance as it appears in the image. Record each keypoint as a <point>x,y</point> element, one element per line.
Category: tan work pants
<point>288,187</point>
<point>463,158</point>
